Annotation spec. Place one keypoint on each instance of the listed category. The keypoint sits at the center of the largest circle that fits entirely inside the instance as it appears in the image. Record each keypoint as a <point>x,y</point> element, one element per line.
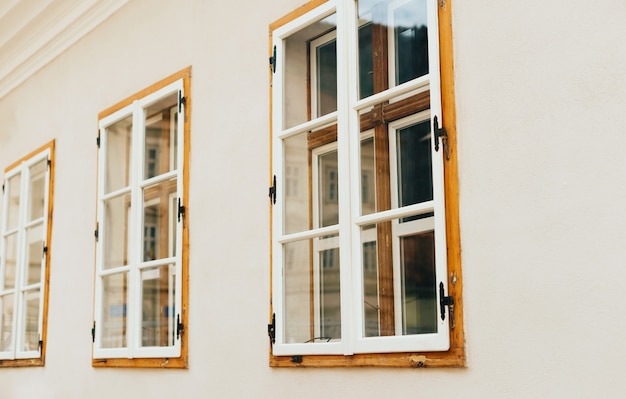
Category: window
<point>141,261</point>
<point>365,258</point>
<point>25,258</point>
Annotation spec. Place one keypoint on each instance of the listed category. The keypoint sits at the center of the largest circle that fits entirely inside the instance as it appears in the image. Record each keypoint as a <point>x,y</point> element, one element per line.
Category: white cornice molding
<point>27,52</point>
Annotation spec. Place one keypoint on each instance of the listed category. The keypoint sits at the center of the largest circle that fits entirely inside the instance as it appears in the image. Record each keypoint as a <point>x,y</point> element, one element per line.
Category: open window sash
<point>135,201</point>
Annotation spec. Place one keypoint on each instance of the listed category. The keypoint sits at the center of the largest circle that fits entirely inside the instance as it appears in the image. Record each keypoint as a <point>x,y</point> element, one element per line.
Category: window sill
<point>160,363</point>
<point>36,362</point>
<point>455,357</point>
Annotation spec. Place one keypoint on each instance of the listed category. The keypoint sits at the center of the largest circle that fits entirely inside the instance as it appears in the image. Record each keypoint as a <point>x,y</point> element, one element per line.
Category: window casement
<point>365,252</point>
<point>140,310</point>
<point>25,258</point>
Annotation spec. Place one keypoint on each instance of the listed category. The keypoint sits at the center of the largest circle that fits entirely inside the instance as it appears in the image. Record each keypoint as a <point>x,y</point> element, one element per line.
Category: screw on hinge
<point>446,301</point>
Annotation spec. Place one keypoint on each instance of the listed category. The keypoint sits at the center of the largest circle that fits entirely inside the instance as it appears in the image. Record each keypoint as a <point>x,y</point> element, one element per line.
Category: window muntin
<point>387,303</point>
<point>24,258</point>
<point>139,290</point>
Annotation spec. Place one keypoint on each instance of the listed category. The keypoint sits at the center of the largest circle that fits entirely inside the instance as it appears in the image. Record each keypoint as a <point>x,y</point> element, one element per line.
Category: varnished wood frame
<point>41,360</point>
<point>183,360</point>
<point>455,356</point>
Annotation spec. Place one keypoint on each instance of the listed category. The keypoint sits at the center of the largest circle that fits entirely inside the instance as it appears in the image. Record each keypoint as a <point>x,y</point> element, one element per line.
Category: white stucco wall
<point>540,92</point>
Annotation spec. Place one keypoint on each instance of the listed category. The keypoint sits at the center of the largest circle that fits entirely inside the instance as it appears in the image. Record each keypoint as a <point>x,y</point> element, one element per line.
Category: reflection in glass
<point>115,240</point>
<point>114,311</point>
<point>157,306</point>
<point>368,177</point>
<point>326,78</point>
<point>297,94</point>
<point>10,261</point>
<point>34,253</point>
<point>312,295</point>
<point>6,322</point>
<point>13,197</point>
<point>366,61</point>
<point>161,137</point>
<point>329,295</point>
<point>158,220</point>
<point>30,326</point>
<point>37,188</point>
<point>118,155</point>
<point>297,203</point>
<point>419,297</point>
<point>415,180</point>
<point>328,189</point>
<point>406,306</point>
<point>410,40</point>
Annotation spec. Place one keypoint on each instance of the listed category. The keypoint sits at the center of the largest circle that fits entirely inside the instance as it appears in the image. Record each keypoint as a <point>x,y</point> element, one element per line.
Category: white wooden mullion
<point>18,315</point>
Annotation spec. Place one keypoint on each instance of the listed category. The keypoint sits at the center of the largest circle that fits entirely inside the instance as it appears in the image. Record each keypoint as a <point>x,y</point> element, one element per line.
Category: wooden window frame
<point>45,283</point>
<point>455,356</point>
<point>181,361</point>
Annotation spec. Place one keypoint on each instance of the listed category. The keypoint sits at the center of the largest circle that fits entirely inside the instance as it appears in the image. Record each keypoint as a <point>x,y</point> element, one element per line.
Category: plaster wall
<point>540,88</point>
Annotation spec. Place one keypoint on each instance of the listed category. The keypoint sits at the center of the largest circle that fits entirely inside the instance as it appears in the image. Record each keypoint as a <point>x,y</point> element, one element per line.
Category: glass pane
<point>6,322</point>
<point>410,33</point>
<point>13,197</point>
<point>10,261</point>
<point>114,296</point>
<point>414,163</point>
<point>328,189</point>
<point>118,154</point>
<point>399,282</point>
<point>397,30</point>
<point>161,136</point>
<point>34,253</point>
<point>157,306</point>
<point>116,233</point>
<point>37,190</point>
<point>419,297</point>
<point>30,325</point>
<point>312,296</point>
<point>368,177</point>
<point>297,197</point>
<point>310,84</point>
<point>159,220</point>
<point>325,78</point>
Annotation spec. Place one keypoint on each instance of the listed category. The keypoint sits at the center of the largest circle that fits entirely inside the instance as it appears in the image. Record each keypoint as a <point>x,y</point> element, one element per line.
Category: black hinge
<point>98,139</point>
<point>93,332</point>
<point>48,162</point>
<point>96,232</point>
<point>39,344</point>
<point>179,327</point>
<point>3,188</point>
<point>273,61</point>
<point>440,133</point>
<point>271,329</point>
<point>273,191</point>
<point>45,251</point>
<point>446,301</point>
<point>181,210</point>
<point>181,100</point>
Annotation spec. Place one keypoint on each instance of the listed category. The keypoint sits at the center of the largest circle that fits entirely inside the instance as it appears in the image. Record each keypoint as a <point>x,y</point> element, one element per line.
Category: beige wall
<point>541,90</point>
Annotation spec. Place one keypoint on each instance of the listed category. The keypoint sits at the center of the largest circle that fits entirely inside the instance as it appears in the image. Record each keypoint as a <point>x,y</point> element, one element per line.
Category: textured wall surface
<point>540,91</point>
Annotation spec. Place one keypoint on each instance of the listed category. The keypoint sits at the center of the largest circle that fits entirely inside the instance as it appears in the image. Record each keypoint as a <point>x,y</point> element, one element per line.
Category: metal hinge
<point>446,301</point>
<point>273,61</point>
<point>45,251</point>
<point>179,327</point>
<point>440,133</point>
<point>181,100</point>
<point>98,139</point>
<point>39,343</point>
<point>3,188</point>
<point>271,329</point>
<point>48,162</point>
<point>93,332</point>
<point>181,210</point>
<point>273,191</point>
<point>96,232</point>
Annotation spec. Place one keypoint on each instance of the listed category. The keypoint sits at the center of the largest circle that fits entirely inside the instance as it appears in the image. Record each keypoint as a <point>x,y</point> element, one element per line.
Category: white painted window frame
<point>351,222</point>
<point>20,288</point>
<point>135,245</point>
